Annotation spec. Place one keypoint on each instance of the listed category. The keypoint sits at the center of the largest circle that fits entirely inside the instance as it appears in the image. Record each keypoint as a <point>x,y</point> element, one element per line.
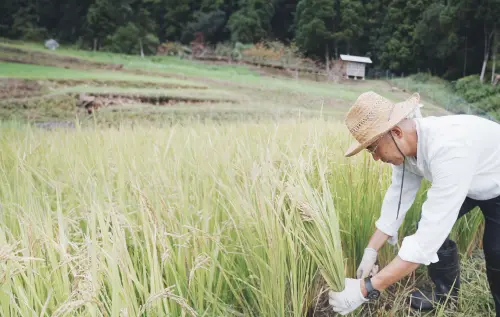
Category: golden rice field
<point>198,220</point>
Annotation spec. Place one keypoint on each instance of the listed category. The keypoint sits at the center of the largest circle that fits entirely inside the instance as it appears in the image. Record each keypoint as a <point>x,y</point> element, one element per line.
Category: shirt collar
<point>419,142</point>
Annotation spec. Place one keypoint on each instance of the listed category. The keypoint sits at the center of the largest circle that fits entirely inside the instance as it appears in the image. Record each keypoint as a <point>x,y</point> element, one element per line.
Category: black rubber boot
<point>494,283</point>
<point>446,276</point>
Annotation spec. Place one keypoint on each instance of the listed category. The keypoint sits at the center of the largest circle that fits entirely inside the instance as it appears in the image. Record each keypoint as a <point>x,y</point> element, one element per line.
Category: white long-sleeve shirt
<point>460,156</point>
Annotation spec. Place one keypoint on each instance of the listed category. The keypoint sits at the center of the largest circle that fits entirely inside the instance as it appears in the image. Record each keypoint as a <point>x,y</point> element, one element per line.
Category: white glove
<point>349,299</point>
<point>367,265</point>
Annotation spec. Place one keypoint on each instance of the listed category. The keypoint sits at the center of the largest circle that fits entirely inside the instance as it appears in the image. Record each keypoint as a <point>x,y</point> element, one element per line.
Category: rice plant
<point>254,219</point>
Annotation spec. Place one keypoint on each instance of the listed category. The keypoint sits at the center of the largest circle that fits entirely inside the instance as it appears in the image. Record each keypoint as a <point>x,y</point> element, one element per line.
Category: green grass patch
<point>438,90</point>
<point>466,96</point>
<point>13,70</point>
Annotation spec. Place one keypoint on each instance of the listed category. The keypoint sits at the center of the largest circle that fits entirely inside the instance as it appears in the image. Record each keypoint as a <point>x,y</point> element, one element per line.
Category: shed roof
<point>352,58</point>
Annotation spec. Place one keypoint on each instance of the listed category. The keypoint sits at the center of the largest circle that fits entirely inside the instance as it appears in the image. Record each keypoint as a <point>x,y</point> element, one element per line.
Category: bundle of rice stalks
<point>318,229</point>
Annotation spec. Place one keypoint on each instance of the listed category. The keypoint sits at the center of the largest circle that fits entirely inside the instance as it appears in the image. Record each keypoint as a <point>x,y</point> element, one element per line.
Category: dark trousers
<point>491,241</point>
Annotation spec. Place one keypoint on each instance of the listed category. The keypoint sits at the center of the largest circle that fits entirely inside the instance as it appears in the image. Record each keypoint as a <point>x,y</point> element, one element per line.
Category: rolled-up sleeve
<point>387,222</point>
<point>452,171</point>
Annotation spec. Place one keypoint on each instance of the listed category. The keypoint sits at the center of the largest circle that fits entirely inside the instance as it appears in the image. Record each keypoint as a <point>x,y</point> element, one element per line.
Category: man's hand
<point>349,299</point>
<point>367,266</point>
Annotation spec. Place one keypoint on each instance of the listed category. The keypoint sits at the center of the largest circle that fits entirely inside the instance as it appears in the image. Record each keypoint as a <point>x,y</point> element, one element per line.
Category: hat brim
<point>401,111</point>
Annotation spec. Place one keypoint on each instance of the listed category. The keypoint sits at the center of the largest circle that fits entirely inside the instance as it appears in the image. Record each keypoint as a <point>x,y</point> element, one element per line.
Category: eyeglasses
<point>371,151</point>
<point>377,142</point>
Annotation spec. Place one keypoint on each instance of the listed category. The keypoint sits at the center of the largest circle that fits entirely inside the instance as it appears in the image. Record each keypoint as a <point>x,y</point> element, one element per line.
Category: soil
<point>322,307</point>
<point>154,73</point>
<point>11,88</point>
<point>61,83</point>
<point>19,88</point>
<point>94,101</point>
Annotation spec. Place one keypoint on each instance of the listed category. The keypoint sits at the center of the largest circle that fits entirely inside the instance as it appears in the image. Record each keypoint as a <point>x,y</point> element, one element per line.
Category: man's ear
<point>397,132</point>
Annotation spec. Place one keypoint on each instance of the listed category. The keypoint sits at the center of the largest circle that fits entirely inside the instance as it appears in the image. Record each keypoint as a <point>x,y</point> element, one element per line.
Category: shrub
<point>260,52</point>
<point>490,103</point>
<point>127,39</point>
<point>473,90</point>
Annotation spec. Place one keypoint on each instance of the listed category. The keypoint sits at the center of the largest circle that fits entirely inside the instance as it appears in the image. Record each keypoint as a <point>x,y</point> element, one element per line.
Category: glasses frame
<point>376,146</point>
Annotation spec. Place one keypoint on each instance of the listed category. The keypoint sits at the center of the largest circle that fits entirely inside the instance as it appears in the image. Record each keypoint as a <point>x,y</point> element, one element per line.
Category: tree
<point>137,35</point>
<point>72,20</point>
<point>251,22</point>
<point>282,22</point>
<point>146,26</point>
<point>375,11</point>
<point>314,26</point>
<point>25,22</point>
<point>494,54</point>
<point>439,46</point>
<point>104,17</point>
<point>396,45</point>
<point>177,15</point>
<point>211,24</point>
<point>488,12</point>
<point>7,10</point>
<point>350,24</point>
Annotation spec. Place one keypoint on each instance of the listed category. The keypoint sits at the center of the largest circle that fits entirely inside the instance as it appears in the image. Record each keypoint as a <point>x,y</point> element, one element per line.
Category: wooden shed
<point>354,66</point>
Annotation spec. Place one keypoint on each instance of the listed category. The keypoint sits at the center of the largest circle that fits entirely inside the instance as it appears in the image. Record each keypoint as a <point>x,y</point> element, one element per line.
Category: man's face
<point>385,149</point>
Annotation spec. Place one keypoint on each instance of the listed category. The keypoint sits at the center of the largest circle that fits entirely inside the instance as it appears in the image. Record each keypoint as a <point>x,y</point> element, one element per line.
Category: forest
<point>447,38</point>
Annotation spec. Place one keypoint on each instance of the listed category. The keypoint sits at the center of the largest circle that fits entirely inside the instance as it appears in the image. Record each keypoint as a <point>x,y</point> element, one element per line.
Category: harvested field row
<point>60,83</point>
<point>153,92</point>
<point>70,104</point>
<point>92,101</point>
<point>19,88</point>
<point>39,108</point>
<point>13,88</point>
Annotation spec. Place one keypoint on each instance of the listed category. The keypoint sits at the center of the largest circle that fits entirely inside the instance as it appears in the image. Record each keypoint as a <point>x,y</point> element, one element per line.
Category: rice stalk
<point>319,231</point>
<point>167,293</point>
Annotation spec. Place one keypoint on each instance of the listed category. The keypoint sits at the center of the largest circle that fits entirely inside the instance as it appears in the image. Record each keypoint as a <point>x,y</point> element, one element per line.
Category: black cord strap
<point>401,191</point>
<point>402,178</point>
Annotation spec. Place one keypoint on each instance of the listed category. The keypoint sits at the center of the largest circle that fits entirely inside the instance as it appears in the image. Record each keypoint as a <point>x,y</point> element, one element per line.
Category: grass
<point>11,70</point>
<point>436,89</point>
<point>441,93</point>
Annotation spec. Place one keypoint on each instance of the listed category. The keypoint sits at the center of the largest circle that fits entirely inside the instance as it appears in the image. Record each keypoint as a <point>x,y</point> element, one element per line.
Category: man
<point>460,156</point>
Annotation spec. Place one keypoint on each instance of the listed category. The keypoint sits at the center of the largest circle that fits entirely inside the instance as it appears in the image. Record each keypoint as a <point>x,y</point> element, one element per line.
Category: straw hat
<point>372,115</point>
